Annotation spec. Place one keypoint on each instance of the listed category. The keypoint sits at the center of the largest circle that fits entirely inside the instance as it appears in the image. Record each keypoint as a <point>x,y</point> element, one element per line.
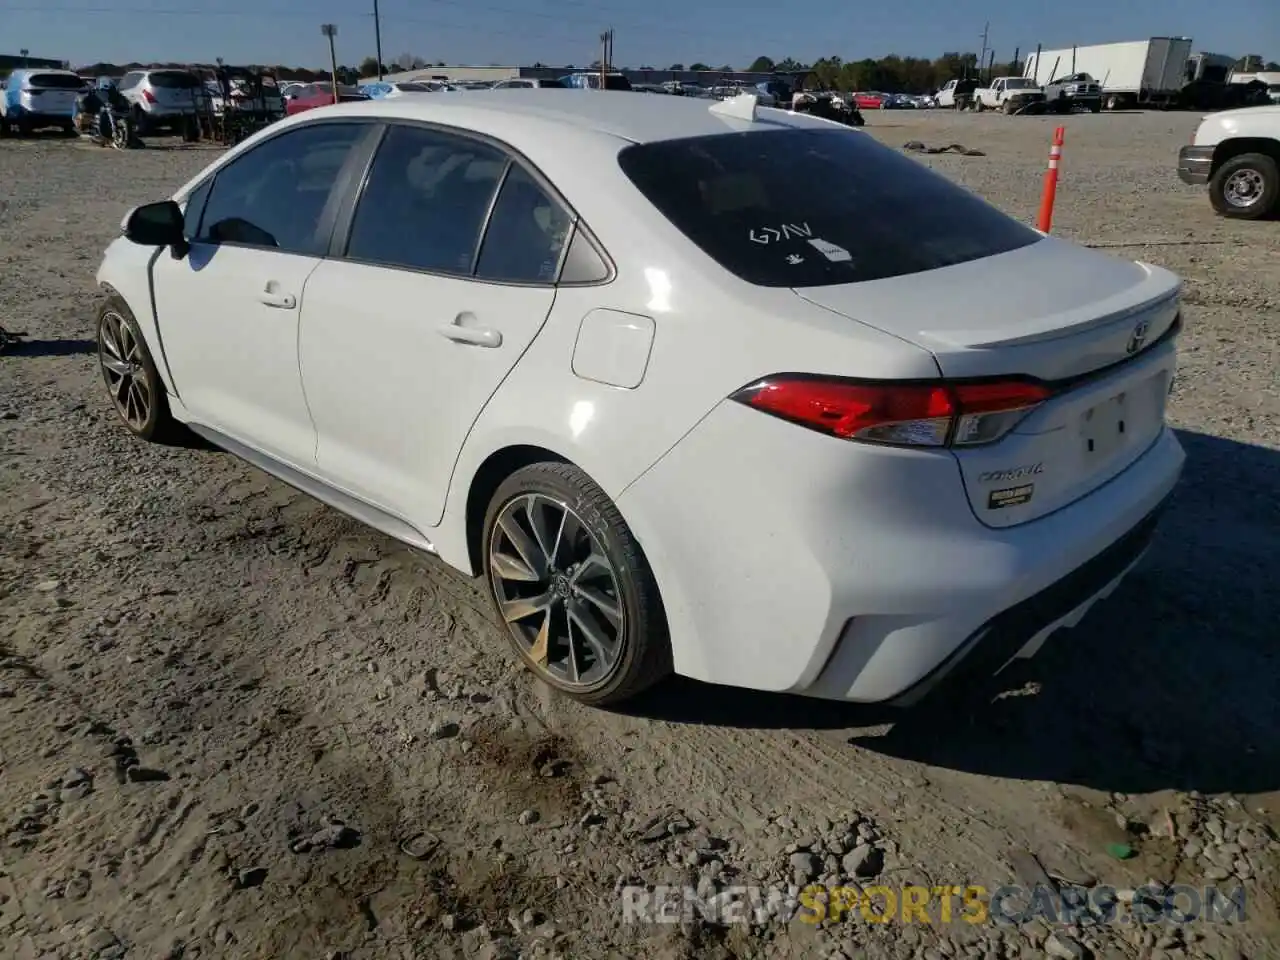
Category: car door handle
<point>273,298</point>
<point>476,336</point>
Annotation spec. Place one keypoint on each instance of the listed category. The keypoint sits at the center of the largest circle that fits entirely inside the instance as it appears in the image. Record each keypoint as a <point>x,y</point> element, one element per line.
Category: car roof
<point>639,118</point>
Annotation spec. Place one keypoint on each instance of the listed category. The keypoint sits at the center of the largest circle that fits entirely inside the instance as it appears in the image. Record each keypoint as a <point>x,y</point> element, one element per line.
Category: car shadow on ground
<point>1168,684</point>
<point>51,348</point>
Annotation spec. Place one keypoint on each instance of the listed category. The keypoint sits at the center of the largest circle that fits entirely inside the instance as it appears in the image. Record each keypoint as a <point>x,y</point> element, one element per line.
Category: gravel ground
<point>237,724</point>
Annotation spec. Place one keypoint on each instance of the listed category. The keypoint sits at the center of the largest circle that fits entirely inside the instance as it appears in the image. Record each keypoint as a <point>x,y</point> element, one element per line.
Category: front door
<point>229,310</point>
<point>407,336</point>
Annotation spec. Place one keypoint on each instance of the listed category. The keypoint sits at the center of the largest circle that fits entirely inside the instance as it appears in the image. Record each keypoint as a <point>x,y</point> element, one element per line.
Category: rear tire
<point>572,587</point>
<point>1246,187</point>
<point>134,387</point>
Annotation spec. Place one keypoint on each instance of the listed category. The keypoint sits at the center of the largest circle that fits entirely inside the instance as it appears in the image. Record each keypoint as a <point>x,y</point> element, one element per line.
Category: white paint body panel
<point>1155,66</point>
<point>769,542</point>
<point>613,348</point>
<point>1262,122</point>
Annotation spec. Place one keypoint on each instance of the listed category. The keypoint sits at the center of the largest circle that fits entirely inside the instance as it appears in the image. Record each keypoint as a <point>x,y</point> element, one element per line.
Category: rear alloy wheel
<point>1246,187</point>
<point>572,587</point>
<point>134,386</point>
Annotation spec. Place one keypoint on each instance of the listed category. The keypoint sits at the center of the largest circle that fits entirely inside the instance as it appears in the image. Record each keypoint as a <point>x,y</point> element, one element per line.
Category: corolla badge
<point>1013,473</point>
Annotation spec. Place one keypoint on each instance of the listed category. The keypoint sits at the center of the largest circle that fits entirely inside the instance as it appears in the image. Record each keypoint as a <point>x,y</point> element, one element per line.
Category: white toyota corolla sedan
<point>695,387</point>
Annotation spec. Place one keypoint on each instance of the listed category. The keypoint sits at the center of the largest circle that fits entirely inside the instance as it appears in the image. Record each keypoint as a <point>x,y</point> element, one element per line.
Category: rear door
<point>446,274</point>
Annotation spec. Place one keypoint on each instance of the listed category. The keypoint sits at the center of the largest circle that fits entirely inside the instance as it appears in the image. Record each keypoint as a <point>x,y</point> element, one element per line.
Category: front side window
<point>804,207</point>
<point>425,201</point>
<point>526,233</point>
<point>275,195</point>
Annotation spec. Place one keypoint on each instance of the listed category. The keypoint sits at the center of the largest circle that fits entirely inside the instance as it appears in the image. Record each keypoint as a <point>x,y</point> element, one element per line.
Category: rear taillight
<point>902,414</point>
<point>148,96</point>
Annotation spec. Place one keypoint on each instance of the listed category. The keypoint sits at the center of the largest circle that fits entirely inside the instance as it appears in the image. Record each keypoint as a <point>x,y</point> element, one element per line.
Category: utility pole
<point>982,57</point>
<point>331,30</point>
<point>24,52</point>
<point>604,57</point>
<point>377,37</point>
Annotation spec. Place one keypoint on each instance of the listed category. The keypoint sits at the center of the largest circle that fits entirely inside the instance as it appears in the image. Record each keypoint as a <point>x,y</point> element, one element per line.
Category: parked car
<point>528,83</point>
<point>1009,94</point>
<point>321,95</point>
<point>957,94</point>
<point>1237,154</point>
<point>34,99</point>
<point>163,99</point>
<point>763,403</point>
<point>590,80</point>
<point>382,89</point>
<point>1072,91</point>
<point>868,101</point>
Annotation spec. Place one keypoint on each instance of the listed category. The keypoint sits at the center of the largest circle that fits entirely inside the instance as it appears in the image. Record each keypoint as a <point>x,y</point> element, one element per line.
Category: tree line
<point>889,74</point>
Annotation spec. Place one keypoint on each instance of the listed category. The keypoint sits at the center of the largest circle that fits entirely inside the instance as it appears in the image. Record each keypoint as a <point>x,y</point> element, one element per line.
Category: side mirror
<point>157,225</point>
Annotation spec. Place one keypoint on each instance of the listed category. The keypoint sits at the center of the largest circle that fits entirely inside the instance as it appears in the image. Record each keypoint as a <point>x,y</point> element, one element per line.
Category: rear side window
<point>174,80</point>
<point>55,81</point>
<point>806,208</point>
<point>526,233</point>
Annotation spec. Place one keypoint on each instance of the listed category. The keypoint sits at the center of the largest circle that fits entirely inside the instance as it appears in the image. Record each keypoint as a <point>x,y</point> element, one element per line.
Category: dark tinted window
<point>552,83</point>
<point>174,80</point>
<point>799,208</point>
<point>616,82</point>
<point>425,201</point>
<point>526,234</point>
<point>275,195</point>
<point>55,81</point>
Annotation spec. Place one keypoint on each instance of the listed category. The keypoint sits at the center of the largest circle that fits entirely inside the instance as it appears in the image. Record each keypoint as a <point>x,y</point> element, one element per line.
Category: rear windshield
<point>616,82</point>
<point>415,87</point>
<point>555,83</point>
<point>55,81</point>
<point>173,80</point>
<point>806,208</point>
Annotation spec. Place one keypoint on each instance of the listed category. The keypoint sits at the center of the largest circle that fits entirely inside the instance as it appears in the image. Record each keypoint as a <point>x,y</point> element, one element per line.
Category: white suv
<point>163,98</point>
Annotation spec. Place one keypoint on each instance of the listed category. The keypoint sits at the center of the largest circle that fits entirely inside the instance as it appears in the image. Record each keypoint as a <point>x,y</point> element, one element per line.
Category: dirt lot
<point>236,724</point>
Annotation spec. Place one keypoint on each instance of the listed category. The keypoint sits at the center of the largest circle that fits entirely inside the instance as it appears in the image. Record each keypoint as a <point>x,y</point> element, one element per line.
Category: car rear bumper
<point>39,117</point>
<point>793,562</point>
<point>1195,164</point>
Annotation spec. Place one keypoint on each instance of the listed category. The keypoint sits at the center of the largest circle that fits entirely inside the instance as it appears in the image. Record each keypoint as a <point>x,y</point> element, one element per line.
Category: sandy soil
<point>236,724</point>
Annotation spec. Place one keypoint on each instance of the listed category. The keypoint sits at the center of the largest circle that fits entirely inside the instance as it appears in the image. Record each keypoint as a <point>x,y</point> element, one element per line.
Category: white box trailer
<point>1132,73</point>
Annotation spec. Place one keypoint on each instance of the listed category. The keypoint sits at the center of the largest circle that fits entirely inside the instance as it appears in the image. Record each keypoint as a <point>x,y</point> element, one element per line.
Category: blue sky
<point>654,32</point>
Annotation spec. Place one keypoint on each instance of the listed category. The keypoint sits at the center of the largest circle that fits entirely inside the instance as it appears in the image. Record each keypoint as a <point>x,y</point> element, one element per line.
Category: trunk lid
<point>1097,328</point>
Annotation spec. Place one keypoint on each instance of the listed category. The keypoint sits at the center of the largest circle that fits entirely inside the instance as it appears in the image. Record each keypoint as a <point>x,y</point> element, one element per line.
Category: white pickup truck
<point>1009,94</point>
<point>1237,153</point>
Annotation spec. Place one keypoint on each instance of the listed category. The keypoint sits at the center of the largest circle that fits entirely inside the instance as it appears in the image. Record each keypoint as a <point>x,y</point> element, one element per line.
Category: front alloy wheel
<point>133,384</point>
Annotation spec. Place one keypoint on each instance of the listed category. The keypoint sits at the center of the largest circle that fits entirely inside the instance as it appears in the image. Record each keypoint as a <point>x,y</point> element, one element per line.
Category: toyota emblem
<point>1138,337</point>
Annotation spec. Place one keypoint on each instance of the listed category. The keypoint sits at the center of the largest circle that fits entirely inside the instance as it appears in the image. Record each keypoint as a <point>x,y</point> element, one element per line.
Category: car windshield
<point>802,208</point>
<point>174,80</point>
<point>1018,84</point>
<point>414,87</point>
<point>55,81</point>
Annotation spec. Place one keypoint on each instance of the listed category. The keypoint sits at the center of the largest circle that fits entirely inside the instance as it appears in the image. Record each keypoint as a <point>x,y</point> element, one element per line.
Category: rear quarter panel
<point>713,334</point>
